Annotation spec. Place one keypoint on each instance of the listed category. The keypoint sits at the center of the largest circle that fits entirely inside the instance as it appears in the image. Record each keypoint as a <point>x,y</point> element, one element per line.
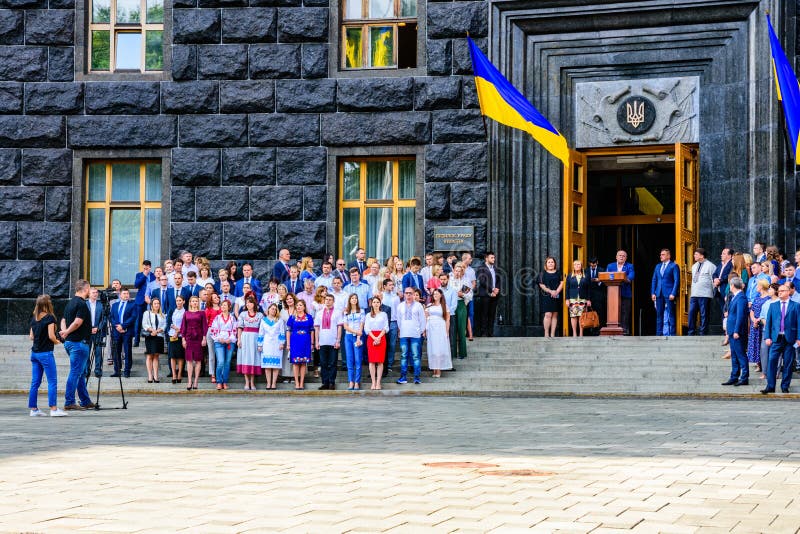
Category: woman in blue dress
<point>754,338</point>
<point>299,340</point>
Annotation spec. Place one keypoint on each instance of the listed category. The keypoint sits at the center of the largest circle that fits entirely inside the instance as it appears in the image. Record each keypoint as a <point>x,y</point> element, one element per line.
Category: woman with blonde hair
<point>43,334</point>
<point>307,269</point>
<point>577,294</point>
<point>154,323</point>
<point>271,342</point>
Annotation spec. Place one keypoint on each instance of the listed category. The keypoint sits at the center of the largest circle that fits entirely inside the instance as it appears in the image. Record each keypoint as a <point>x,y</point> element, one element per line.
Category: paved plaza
<point>357,464</point>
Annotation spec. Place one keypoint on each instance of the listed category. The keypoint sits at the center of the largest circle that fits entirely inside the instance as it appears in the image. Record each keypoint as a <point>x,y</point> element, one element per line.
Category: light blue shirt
<point>450,298</point>
<point>752,290</point>
<point>323,280</point>
<point>363,291</point>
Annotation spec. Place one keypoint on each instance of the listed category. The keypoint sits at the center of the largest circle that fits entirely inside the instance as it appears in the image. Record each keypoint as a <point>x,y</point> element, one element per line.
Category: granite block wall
<point>248,111</point>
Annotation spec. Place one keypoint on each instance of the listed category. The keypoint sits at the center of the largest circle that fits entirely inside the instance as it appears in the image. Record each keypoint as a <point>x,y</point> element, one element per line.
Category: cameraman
<point>76,338</point>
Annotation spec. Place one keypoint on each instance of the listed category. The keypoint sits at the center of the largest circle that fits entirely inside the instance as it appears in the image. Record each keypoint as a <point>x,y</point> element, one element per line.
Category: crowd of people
<point>300,321</point>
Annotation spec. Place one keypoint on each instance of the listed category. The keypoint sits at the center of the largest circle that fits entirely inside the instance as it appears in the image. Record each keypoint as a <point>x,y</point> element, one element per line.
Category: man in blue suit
<point>280,271</point>
<point>248,278</point>
<point>293,283</point>
<point>163,294</point>
<point>413,279</point>
<point>781,335</point>
<point>664,292</point>
<point>737,330</point>
<point>625,291</point>
<point>361,261</point>
<point>720,277</point>
<point>123,322</point>
<point>192,289</point>
<point>141,282</point>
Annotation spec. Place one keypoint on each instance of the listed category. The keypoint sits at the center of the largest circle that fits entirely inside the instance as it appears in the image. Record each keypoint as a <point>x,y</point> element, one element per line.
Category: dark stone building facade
<point>252,113</point>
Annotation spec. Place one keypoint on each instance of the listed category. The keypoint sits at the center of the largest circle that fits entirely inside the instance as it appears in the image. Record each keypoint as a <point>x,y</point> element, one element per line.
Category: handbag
<point>590,319</point>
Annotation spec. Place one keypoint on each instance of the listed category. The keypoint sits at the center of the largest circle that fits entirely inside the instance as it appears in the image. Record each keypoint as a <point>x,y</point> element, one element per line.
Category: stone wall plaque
<point>454,238</point>
<point>648,111</point>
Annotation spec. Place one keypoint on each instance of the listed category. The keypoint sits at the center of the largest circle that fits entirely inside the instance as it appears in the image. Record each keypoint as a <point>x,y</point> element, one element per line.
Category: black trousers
<point>485,313</point>
<point>327,358</point>
<point>625,314</point>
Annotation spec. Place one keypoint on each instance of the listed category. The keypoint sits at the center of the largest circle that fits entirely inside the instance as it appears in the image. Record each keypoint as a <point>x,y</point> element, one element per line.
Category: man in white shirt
<point>411,327</point>
<point>426,271</point>
<point>702,292</point>
<point>186,258</point>
<point>390,299</point>
<point>178,271</point>
<point>339,294</point>
<point>328,328</point>
<point>326,278</point>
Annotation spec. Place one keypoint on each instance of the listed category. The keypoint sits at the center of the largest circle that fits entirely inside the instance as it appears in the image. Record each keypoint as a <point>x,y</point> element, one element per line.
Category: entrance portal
<point>639,199</point>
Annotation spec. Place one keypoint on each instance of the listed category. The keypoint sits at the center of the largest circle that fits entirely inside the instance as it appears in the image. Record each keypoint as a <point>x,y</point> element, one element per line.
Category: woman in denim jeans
<point>224,332</point>
<point>43,335</point>
<point>353,327</point>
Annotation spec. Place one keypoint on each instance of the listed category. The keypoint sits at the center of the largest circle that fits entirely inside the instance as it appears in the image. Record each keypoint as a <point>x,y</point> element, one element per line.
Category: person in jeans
<point>411,323</point>
<point>353,323</point>
<point>43,335</point>
<point>76,331</point>
<point>223,332</point>
<point>390,300</point>
<point>328,326</point>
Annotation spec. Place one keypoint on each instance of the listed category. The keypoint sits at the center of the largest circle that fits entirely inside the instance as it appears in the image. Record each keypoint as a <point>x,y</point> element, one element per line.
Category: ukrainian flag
<point>788,89</point>
<point>499,100</point>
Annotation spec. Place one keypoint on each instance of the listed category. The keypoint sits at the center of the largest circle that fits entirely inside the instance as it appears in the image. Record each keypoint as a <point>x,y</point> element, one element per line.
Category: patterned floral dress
<point>754,338</point>
<point>271,335</point>
<point>300,339</point>
<point>248,360</point>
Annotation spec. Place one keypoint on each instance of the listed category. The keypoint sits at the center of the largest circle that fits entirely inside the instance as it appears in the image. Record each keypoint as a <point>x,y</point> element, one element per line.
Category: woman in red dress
<point>193,331</point>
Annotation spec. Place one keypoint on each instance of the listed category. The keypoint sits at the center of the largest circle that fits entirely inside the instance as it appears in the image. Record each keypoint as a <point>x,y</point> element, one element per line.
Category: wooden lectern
<point>612,280</point>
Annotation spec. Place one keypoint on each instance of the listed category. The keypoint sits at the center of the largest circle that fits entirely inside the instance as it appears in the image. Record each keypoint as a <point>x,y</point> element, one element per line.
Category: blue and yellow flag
<point>788,89</point>
<point>499,100</point>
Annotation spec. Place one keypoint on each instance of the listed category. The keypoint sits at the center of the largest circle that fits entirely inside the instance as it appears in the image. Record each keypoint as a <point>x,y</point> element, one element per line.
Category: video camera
<point>106,295</point>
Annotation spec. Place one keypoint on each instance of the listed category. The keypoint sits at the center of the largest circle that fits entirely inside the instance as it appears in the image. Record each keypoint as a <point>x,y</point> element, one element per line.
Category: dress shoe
<point>74,407</point>
<point>323,387</point>
<point>742,383</point>
<point>729,383</point>
<point>786,390</point>
<point>115,375</point>
<point>126,375</point>
<point>90,406</point>
<point>767,390</point>
<point>332,386</point>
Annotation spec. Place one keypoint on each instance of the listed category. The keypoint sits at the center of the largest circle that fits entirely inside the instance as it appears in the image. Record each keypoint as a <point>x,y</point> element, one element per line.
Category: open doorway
<point>640,199</point>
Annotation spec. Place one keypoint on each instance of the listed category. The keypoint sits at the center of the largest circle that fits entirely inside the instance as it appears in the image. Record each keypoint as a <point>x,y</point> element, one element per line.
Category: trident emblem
<point>635,113</point>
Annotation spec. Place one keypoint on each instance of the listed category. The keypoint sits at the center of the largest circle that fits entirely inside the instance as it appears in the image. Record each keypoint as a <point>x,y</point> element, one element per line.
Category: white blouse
<point>379,322</point>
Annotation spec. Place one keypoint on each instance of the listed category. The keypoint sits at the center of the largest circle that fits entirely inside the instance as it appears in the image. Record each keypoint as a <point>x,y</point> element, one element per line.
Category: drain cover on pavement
<point>466,465</point>
<point>517,473</point>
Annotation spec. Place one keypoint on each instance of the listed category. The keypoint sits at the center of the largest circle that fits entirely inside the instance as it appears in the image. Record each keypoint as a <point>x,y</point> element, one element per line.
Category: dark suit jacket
<point>722,274</point>
<point>791,322</point>
<point>574,289</point>
<point>295,287</point>
<point>343,275</point>
<point>167,302</point>
<point>361,268</point>
<point>128,320</point>
<point>483,278</point>
<point>255,285</point>
<point>187,292</point>
<point>625,290</point>
<point>596,289</point>
<point>408,281</point>
<point>280,272</point>
<point>738,316</point>
<point>140,283</point>
<point>668,284</point>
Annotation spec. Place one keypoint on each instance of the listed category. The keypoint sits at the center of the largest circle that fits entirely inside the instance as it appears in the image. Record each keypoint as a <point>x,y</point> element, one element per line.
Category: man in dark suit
<point>781,336</point>
<point>737,330</point>
<point>341,273</point>
<point>141,282</point>
<point>280,271</point>
<point>248,278</point>
<point>625,291</point>
<point>487,294</point>
<point>123,321</point>
<point>293,283</point>
<point>99,331</point>
<point>162,293</point>
<point>597,291</point>
<point>664,291</point>
<point>192,289</point>
<point>413,279</point>
<point>361,261</point>
<point>720,277</point>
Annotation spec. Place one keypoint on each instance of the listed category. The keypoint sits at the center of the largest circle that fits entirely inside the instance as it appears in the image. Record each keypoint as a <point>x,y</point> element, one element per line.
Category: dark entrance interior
<point>631,206</point>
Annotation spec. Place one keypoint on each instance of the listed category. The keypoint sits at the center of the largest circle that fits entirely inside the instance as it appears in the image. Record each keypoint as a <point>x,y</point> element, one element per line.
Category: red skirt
<point>376,353</point>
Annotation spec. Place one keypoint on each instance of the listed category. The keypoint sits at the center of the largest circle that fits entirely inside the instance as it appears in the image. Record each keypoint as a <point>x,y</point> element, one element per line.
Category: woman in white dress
<point>271,296</point>
<point>437,332</point>
<point>271,341</point>
<point>248,361</point>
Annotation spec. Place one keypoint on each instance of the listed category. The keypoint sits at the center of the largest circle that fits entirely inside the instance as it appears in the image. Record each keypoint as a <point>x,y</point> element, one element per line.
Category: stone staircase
<point>528,366</point>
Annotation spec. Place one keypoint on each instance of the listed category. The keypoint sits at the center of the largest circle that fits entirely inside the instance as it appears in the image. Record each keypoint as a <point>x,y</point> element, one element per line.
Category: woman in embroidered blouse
<point>247,361</point>
<point>271,341</point>
<point>270,296</point>
<point>299,340</point>
<point>212,310</point>
<point>238,306</point>
<point>224,333</point>
<point>153,325</point>
<point>287,310</point>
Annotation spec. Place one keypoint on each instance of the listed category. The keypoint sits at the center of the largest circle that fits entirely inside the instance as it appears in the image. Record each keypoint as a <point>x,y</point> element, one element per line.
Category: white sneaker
<point>38,413</point>
<point>58,413</point>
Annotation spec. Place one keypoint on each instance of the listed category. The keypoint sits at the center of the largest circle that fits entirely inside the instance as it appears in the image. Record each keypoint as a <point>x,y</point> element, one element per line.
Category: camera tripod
<point>99,341</point>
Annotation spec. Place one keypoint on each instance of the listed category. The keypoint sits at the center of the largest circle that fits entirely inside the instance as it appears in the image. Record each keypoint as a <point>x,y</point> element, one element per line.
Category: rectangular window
<point>125,40</point>
<point>123,215</point>
<point>379,34</point>
<point>377,201</point>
